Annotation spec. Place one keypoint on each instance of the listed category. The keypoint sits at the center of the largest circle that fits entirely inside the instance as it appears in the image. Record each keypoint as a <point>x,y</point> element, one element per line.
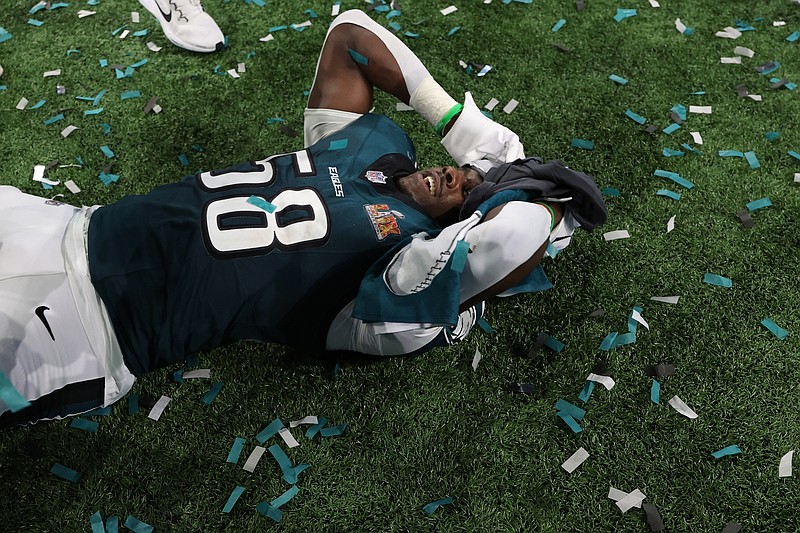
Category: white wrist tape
<point>431,101</point>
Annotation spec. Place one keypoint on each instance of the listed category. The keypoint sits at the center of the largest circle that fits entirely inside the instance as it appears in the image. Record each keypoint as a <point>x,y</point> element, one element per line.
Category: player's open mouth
<point>431,184</point>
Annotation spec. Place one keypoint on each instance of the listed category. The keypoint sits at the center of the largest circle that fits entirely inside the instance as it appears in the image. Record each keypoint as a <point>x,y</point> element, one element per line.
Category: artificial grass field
<point>425,428</point>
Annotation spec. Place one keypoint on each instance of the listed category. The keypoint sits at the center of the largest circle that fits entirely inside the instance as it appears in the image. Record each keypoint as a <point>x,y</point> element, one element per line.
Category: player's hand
<point>475,136</point>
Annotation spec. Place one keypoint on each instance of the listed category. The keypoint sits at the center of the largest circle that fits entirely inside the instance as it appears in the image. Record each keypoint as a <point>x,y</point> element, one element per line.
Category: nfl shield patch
<point>376,176</point>
<point>383,220</point>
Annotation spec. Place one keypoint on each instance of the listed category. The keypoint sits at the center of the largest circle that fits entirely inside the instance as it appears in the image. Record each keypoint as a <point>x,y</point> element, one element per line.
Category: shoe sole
<point>152,7</point>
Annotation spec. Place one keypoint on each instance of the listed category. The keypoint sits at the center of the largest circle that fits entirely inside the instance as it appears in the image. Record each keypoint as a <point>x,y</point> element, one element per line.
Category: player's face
<point>440,191</point>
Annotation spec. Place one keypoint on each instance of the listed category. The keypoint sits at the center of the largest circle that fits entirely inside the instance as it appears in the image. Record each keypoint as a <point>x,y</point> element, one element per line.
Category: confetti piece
<point>794,154</point>
<point>672,128</point>
<point>65,473</point>
<point>669,152</point>
<point>236,450</point>
<point>586,392</point>
<point>696,137</point>
<point>728,450</point>
<point>615,235</point>
<point>96,521</point>
<point>74,189</point>
<point>611,191</point>
<point>38,175</point>
<point>653,517</point>
<point>571,422</point>
<point>623,14</point>
<point>605,381</point>
<point>290,472</point>
<point>520,388</point>
<point>450,9</point>
<point>269,431</point>
<point>51,73</point>
<point>742,51</point>
<point>634,499</point>
<point>34,22</point>
<point>56,118</point>
<point>333,431</point>
<point>729,33</point>
<point>453,31</point>
<point>22,103</point>
<point>634,117</point>
<point>785,466</point>
<point>558,25</point>
<point>575,460</point>
<point>775,329</point>
<point>666,299</point>
<point>668,194</point>
<point>793,37</point>
<point>491,104</point>
<point>719,281</point>
<point>86,425</point>
<point>674,177</point>
<point>136,525</point>
<point>127,95</point>
<point>510,106</point>
<point>617,79</point>
<point>731,153</point>
<point>655,392</point>
<point>752,160</point>
<point>476,359</point>
<point>263,204</point>
<point>758,204</point>
<point>676,403</point>
<point>288,438</point>
<point>233,498</point>
<point>700,109</point>
<point>124,34</point>
<point>609,341</point>
<point>93,111</point>
<point>680,26</point>
<point>66,131</point>
<point>212,393</point>
<point>254,458</point>
<point>10,396</point>
<point>133,404</point>
<point>768,67</point>
<point>313,430</point>
<point>730,60</point>
<point>582,143</point>
<point>108,152</point>
<point>311,419</point>
<point>433,506</point>
<point>567,408</point>
<point>158,409</point>
<point>625,339</point>
<point>554,344</point>
<point>139,33</point>
<point>617,495</point>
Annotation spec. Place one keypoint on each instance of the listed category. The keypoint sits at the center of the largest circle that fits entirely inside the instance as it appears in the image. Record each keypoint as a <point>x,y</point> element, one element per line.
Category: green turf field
<point>426,428</point>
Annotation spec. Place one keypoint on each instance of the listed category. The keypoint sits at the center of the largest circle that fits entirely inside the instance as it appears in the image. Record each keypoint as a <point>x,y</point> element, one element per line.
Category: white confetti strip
<point>335,10</point>
<point>575,460</point>
<point>241,68</point>
<point>124,34</point>
<point>403,107</point>
<point>135,17</point>
<point>701,109</point>
<point>38,175</point>
<point>671,224</point>
<point>153,46</point>
<point>156,109</point>
<point>617,495</point>
<point>233,74</point>
<point>476,359</point>
<point>157,410</point>
<point>696,137</point>
<point>742,51</point>
<point>797,177</point>
<point>778,23</point>
<point>487,1</point>
<point>680,26</point>
<point>85,13</point>
<point>306,24</point>
<point>51,73</point>
<point>682,408</point>
<point>654,3</point>
<point>731,60</point>
<point>446,11</point>
<point>637,316</point>
<point>74,189</point>
<point>666,299</point>
<point>729,33</point>
<point>510,106</point>
<point>308,420</point>
<point>785,467</point>
<point>267,38</point>
<point>66,131</point>
<point>605,381</point>
<point>255,457</point>
<point>634,499</point>
<point>491,104</point>
<point>755,97</point>
<point>617,234</point>
<point>199,373</point>
<point>288,438</point>
<point>23,102</point>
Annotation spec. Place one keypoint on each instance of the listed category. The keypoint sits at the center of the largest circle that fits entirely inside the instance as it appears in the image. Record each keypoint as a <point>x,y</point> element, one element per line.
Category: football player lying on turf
<point>343,245</point>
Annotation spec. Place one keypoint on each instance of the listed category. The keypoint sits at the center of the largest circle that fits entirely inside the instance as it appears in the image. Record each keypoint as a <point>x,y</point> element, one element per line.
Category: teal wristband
<point>552,215</point>
<point>456,109</point>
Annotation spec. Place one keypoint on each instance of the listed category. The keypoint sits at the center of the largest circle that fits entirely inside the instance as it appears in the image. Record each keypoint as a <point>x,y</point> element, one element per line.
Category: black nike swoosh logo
<point>40,313</point>
<point>168,15</point>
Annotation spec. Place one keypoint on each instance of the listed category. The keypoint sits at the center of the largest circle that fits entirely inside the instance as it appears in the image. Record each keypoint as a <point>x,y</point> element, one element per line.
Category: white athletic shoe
<point>186,24</point>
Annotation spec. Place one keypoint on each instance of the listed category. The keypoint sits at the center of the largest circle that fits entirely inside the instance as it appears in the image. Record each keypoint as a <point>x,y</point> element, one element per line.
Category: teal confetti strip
<point>93,111</point>
<point>586,392</point>
<point>674,177</point>
<point>690,149</point>
<point>103,63</point>
<point>277,28</point>
<point>96,521</point>
<point>397,27</point>
<point>4,35</point>
<point>73,51</point>
<point>794,154</point>
<point>198,148</point>
<point>433,506</point>
<point>276,120</point>
<point>127,95</point>
<point>290,472</point>
<point>571,422</point>
<point>269,511</point>
<point>625,339</point>
<point>611,191</point>
<point>332,431</point>
<point>112,524</point>
<point>86,425</point>
<point>38,104</point>
<point>65,473</point>
<point>396,13</point>
<point>728,450</point>
<point>10,395</point>
<point>793,37</point>
<point>608,342</point>
<point>34,22</point>
<point>458,260</point>
<point>58,5</point>
<point>410,34</point>
<point>552,251</point>
<point>655,392</point>
<point>623,14</point>
<point>358,58</point>
<point>382,9</point>
<point>116,31</point>
<point>183,160</point>
<point>772,135</point>
<point>618,79</point>
<point>3,87</point>
<point>285,497</point>
<point>774,328</point>
<point>668,194</point>
<point>85,98</point>
<point>563,406</point>
<point>108,152</point>
<point>634,117</point>
<point>136,525</point>
<point>133,403</point>
<point>672,128</point>
<point>680,109</point>
<point>731,153</point>
<point>56,118</point>
<point>453,31</point>
<point>752,160</point>
<point>106,128</point>
<point>236,450</point>
<point>250,54</point>
<point>484,325</point>
<point>108,179</point>
<point>558,25</point>
<point>140,33</point>
<point>212,393</point>
<point>263,204</point>
<point>177,376</point>
<point>313,430</point>
<point>233,498</point>
<point>140,63</point>
<point>338,144</point>
<point>260,3</point>
<point>100,411</point>
<point>759,204</point>
<point>669,152</point>
<point>35,9</point>
<point>554,344</point>
<point>582,143</point>
<point>768,68</point>
<point>719,281</point>
<point>270,431</point>
<point>311,13</point>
